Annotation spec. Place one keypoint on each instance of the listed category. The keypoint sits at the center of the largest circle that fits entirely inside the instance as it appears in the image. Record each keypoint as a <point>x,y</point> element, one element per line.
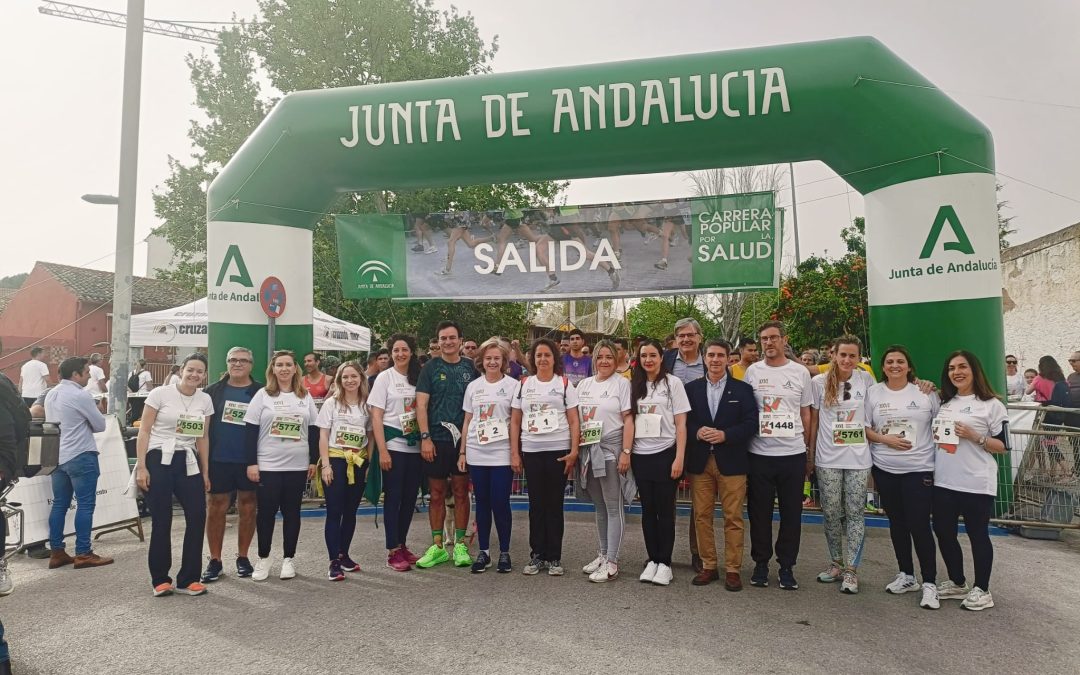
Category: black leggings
<point>976,509</point>
<point>279,491</point>
<point>342,500</point>
<point>656,489</point>
<point>547,488</point>
<point>165,482</point>
<point>907,498</point>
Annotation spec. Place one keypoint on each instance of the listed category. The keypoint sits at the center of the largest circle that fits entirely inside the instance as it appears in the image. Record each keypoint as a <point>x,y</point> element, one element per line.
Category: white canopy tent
<point>185,326</point>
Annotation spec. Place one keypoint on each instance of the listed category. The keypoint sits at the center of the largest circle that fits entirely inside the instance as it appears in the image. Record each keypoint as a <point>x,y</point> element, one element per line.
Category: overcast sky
<point>60,118</point>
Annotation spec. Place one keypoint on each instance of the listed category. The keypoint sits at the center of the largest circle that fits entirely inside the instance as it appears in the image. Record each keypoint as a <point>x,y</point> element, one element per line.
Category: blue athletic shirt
<point>227,440</point>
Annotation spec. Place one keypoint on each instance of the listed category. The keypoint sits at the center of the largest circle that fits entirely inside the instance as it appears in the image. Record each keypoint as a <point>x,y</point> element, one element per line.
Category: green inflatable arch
<point>924,165</point>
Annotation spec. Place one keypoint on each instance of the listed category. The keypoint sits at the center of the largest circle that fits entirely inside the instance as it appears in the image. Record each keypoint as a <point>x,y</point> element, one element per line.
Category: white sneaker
<point>595,564</point>
<point>663,575</point>
<point>977,600</point>
<point>606,572</point>
<point>947,590</point>
<point>555,568</point>
<point>903,583</point>
<point>262,569</point>
<point>850,584</point>
<point>288,569</point>
<point>7,584</point>
<point>929,597</point>
<point>649,574</point>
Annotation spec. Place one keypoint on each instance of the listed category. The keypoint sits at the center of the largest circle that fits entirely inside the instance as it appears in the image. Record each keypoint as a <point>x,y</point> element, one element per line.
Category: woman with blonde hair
<point>282,446</point>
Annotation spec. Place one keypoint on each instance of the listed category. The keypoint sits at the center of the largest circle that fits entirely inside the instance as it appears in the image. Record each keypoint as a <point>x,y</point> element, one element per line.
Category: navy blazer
<point>736,416</point>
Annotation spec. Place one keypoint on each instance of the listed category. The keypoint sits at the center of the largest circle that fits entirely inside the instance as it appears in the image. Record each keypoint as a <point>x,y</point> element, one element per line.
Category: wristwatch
<point>424,435</point>
<point>626,451</point>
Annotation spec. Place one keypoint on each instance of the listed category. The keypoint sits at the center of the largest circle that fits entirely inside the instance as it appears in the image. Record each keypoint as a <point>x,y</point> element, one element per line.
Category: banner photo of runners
<point>718,243</point>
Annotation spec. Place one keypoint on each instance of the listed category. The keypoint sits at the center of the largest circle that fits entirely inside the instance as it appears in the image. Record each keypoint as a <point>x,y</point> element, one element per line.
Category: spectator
<point>96,383</point>
<point>1074,380</point>
<point>468,349</point>
<point>577,365</point>
<point>1014,379</point>
<point>1029,376</point>
<point>1046,382</point>
<point>564,346</point>
<point>171,380</point>
<point>146,380</point>
<point>748,355</point>
<point>34,376</point>
<point>622,363</point>
<point>809,358</point>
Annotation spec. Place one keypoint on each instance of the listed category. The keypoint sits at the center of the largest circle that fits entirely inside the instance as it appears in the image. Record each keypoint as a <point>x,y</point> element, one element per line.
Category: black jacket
<point>736,416</point>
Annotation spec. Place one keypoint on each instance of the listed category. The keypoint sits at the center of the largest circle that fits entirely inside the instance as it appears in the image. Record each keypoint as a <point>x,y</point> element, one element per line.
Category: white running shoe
<point>605,572</point>
<point>555,568</point>
<point>929,597</point>
<point>651,237</point>
<point>428,250</point>
<point>649,573</point>
<point>831,575</point>
<point>7,584</point>
<point>595,564</point>
<point>288,569</point>
<point>663,575</point>
<point>262,569</point>
<point>850,584</point>
<point>977,600</point>
<point>552,283</point>
<point>947,590</point>
<point>903,583</point>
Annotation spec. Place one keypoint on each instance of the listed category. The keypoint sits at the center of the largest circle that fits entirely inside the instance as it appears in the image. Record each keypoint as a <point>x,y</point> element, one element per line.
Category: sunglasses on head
<point>847,391</point>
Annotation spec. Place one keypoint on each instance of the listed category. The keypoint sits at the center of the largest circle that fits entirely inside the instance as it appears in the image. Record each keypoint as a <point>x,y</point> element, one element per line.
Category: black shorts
<point>560,233</point>
<point>445,464</point>
<point>226,477</point>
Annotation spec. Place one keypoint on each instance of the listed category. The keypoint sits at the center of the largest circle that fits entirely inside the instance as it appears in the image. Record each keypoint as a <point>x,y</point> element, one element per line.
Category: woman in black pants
<point>544,437</point>
<point>659,405</point>
<point>175,425</point>
<point>971,427</point>
<point>282,446</point>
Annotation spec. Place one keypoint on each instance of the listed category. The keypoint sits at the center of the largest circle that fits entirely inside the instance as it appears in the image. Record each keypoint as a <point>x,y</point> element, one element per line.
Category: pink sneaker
<point>397,562</point>
<point>409,556</point>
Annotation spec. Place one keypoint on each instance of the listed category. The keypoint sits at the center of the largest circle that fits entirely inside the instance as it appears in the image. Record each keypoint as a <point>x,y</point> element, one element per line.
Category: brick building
<point>68,311</point>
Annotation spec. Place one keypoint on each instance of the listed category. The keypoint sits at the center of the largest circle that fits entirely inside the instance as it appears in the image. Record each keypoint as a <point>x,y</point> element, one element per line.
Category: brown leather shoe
<point>91,560</point>
<point>732,581</point>
<point>705,577</point>
<point>58,558</point>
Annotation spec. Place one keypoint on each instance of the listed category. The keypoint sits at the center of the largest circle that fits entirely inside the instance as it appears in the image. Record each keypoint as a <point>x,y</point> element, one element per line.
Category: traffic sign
<point>272,297</point>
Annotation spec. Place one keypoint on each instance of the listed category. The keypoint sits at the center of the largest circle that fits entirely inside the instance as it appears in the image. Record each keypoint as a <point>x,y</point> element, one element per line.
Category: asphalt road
<point>106,621</point>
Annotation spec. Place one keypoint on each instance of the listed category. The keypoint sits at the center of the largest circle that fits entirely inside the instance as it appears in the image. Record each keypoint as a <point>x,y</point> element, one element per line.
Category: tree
<point>656,317</point>
<point>314,44</point>
<point>14,281</point>
<point>1004,224</point>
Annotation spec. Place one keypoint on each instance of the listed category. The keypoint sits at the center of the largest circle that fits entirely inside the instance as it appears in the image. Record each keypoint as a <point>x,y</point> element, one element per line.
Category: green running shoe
<point>461,555</point>
<point>436,555</point>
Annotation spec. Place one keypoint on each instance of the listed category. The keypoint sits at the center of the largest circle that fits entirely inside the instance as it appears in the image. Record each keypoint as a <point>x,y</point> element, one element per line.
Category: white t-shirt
<point>393,394</point>
<point>170,405</point>
<point>538,402</point>
<point>969,468</point>
<point>146,381</point>
<point>172,379</point>
<point>278,449</point>
<point>335,419</point>
<point>605,402</point>
<point>96,376</point>
<point>489,402</point>
<point>34,375</point>
<point>1015,385</point>
<point>908,413</point>
<point>843,421</point>
<point>781,393</point>
<point>666,399</point>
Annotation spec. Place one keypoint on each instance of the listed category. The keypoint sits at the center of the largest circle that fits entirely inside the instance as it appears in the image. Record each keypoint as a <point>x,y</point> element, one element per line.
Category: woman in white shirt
<point>659,405</point>
<point>282,446</point>
<point>971,427</point>
<point>544,436</point>
<point>606,428</point>
<point>344,438</point>
<point>841,456</point>
<point>392,403</point>
<point>898,421</point>
<point>174,427</point>
<point>485,449</point>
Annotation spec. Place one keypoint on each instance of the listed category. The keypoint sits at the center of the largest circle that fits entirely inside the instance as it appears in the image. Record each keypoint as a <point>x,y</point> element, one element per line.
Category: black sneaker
<point>760,577</point>
<point>243,567</point>
<point>212,572</point>
<point>504,564</point>
<point>482,562</point>
<point>787,579</point>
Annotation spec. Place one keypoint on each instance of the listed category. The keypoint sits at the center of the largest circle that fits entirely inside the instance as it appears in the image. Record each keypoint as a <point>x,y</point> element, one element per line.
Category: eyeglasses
<point>1010,363</point>
<point>686,336</point>
<point>847,391</point>
<point>1074,360</point>
<point>236,362</point>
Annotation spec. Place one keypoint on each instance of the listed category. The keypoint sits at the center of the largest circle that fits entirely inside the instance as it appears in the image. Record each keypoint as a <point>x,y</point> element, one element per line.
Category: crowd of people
<point>748,423</point>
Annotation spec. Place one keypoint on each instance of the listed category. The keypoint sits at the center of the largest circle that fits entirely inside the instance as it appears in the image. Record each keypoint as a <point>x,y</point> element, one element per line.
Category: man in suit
<point>723,418</point>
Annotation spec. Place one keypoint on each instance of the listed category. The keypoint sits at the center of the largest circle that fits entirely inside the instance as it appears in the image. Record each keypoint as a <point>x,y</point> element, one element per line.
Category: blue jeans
<point>5,655</point>
<point>491,486</point>
<point>78,478</point>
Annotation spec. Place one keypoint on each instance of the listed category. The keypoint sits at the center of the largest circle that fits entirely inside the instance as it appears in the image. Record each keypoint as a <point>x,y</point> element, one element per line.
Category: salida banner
<point>721,243</point>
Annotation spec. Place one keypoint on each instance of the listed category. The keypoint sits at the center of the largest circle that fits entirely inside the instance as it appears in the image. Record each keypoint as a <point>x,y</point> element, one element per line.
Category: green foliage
<point>656,317</point>
<point>14,281</point>
<point>1004,224</point>
<point>826,299</point>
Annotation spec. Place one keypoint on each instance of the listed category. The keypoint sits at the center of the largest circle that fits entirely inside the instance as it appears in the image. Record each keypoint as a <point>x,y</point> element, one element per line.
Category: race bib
<point>349,436</point>
<point>541,421</point>
<point>848,433</point>
<point>234,412</point>
<point>286,426</point>
<point>190,426</point>
<point>491,430</point>
<point>408,422</point>
<point>591,432</point>
<point>944,432</point>
<point>647,425</point>
<point>904,428</point>
<point>777,425</point>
